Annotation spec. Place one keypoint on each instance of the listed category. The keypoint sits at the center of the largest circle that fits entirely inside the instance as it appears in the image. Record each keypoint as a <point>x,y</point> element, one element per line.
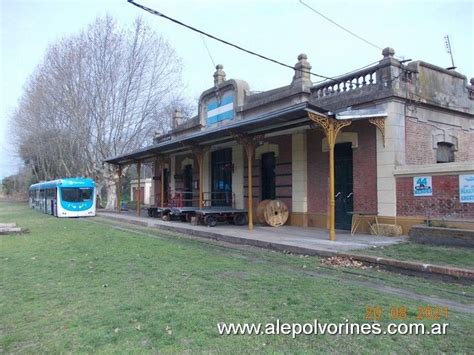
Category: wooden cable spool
<point>272,212</point>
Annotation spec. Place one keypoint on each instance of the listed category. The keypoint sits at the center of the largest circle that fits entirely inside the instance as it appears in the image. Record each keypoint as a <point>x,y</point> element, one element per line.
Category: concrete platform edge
<point>420,268</point>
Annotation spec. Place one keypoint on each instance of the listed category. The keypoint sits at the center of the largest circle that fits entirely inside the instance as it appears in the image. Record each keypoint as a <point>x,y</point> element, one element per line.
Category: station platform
<point>311,241</point>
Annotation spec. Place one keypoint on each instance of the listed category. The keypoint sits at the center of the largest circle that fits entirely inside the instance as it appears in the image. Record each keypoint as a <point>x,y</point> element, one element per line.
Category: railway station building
<point>400,135</point>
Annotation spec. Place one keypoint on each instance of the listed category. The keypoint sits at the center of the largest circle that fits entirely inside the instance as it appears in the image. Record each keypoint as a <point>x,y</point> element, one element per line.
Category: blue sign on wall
<point>466,188</point>
<point>422,186</point>
<point>222,110</point>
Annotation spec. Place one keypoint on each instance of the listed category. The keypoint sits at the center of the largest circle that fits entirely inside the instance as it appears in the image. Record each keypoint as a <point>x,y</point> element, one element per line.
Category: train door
<point>221,162</point>
<point>343,185</point>
<point>54,201</point>
<point>44,207</point>
<point>49,201</point>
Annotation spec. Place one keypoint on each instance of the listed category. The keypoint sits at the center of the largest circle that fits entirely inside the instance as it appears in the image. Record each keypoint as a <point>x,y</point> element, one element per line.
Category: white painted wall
<point>389,157</point>
<point>147,184</point>
<point>299,172</point>
<point>238,157</point>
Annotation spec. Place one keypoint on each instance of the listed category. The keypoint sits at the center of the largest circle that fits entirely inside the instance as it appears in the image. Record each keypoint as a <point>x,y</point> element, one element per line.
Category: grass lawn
<point>78,285</point>
<point>439,255</point>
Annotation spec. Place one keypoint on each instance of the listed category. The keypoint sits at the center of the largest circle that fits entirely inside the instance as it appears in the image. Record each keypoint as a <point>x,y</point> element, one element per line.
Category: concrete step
<point>7,225</point>
<point>10,230</point>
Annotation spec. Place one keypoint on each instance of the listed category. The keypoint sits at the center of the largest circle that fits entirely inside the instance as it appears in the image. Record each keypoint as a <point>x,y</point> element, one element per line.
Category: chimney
<point>156,137</point>
<point>219,75</point>
<point>177,119</point>
<point>302,77</point>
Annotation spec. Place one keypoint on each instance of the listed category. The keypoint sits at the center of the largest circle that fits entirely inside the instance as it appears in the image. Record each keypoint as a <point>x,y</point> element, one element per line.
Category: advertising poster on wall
<point>466,188</point>
<point>422,186</point>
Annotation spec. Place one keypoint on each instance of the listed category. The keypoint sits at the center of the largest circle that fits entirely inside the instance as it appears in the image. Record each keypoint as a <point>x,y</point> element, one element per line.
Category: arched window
<point>445,152</point>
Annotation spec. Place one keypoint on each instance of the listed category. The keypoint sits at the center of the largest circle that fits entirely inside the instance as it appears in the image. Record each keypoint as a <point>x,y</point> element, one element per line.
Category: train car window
<point>70,194</point>
<point>50,193</point>
<point>86,194</point>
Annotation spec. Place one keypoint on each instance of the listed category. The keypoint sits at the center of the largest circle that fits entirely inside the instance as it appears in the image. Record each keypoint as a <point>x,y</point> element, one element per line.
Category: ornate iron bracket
<point>330,126</point>
<point>379,122</point>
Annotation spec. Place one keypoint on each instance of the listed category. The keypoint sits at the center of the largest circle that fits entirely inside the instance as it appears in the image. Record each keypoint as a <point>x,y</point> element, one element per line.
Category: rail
<point>349,82</point>
<point>182,198</point>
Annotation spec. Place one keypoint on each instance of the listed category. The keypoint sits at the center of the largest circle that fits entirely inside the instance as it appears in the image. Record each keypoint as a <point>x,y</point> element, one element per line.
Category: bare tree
<point>97,94</point>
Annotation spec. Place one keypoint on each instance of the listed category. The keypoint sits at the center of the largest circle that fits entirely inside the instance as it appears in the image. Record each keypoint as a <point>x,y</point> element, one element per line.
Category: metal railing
<point>182,198</point>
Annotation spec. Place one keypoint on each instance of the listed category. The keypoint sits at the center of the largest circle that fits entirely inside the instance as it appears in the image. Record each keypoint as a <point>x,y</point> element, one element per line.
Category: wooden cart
<point>210,216</point>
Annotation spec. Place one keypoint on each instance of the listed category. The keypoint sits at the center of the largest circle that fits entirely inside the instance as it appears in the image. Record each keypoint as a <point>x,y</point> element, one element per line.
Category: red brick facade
<point>365,167</point>
<point>443,204</point>
<point>318,167</point>
<point>419,142</point>
<point>364,170</point>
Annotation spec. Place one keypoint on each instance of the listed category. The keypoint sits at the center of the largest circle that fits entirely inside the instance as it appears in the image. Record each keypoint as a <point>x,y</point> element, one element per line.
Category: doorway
<point>268,176</point>
<point>221,162</point>
<point>166,186</point>
<point>142,194</point>
<point>188,185</point>
<point>344,192</point>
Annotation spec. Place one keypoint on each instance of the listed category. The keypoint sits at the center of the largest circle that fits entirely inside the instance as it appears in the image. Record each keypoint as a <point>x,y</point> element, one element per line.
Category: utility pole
<point>447,43</point>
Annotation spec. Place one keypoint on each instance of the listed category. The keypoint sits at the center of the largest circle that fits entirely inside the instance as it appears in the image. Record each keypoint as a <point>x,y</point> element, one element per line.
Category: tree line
<point>97,94</point>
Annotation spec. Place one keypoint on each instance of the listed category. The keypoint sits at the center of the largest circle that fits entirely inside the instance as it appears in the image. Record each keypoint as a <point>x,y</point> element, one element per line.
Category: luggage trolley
<point>211,215</point>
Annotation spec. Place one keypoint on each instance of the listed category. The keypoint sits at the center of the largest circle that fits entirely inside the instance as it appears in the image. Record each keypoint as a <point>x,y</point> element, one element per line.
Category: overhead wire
<point>208,51</point>
<point>157,13</point>
<point>202,33</point>
<point>342,27</point>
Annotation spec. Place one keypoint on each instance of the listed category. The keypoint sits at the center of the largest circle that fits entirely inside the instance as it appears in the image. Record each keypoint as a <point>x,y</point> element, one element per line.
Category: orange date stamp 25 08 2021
<point>376,313</point>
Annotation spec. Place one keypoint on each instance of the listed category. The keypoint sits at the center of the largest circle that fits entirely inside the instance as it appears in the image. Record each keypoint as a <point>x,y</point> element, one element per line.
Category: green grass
<point>76,285</point>
<point>439,255</point>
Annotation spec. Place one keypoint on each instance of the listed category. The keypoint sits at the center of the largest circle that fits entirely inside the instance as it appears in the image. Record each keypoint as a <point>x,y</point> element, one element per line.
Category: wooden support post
<point>161,163</point>
<point>331,128</point>
<point>162,178</point>
<point>199,152</point>
<point>119,188</point>
<point>249,143</point>
<point>250,151</point>
<point>139,168</point>
<point>200,160</point>
<point>332,200</point>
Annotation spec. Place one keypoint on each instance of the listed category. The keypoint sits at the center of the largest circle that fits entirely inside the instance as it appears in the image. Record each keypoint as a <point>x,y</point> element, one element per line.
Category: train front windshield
<point>74,194</point>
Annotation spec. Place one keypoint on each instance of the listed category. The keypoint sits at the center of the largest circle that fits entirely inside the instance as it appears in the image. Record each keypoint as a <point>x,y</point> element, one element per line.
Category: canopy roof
<point>286,118</point>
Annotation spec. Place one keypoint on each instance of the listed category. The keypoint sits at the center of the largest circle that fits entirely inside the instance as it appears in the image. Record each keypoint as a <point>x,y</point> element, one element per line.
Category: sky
<point>280,29</point>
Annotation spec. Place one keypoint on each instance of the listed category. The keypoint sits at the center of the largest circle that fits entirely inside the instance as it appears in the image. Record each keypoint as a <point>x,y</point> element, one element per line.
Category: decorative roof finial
<point>219,75</point>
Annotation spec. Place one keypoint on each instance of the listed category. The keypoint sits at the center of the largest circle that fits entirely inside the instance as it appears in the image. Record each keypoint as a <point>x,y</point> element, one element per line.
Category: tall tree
<point>97,94</point>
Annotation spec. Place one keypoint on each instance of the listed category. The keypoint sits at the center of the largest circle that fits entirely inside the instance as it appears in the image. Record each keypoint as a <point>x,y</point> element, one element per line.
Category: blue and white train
<point>71,197</point>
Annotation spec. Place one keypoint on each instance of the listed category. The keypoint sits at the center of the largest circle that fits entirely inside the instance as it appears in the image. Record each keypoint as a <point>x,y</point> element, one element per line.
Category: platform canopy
<point>282,119</point>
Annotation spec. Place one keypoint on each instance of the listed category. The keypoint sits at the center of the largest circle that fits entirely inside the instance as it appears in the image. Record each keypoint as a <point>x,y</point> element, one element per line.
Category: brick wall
<point>444,202</point>
<point>466,147</point>
<point>364,170</point>
<point>419,142</point>
<point>365,167</point>
<point>318,165</point>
